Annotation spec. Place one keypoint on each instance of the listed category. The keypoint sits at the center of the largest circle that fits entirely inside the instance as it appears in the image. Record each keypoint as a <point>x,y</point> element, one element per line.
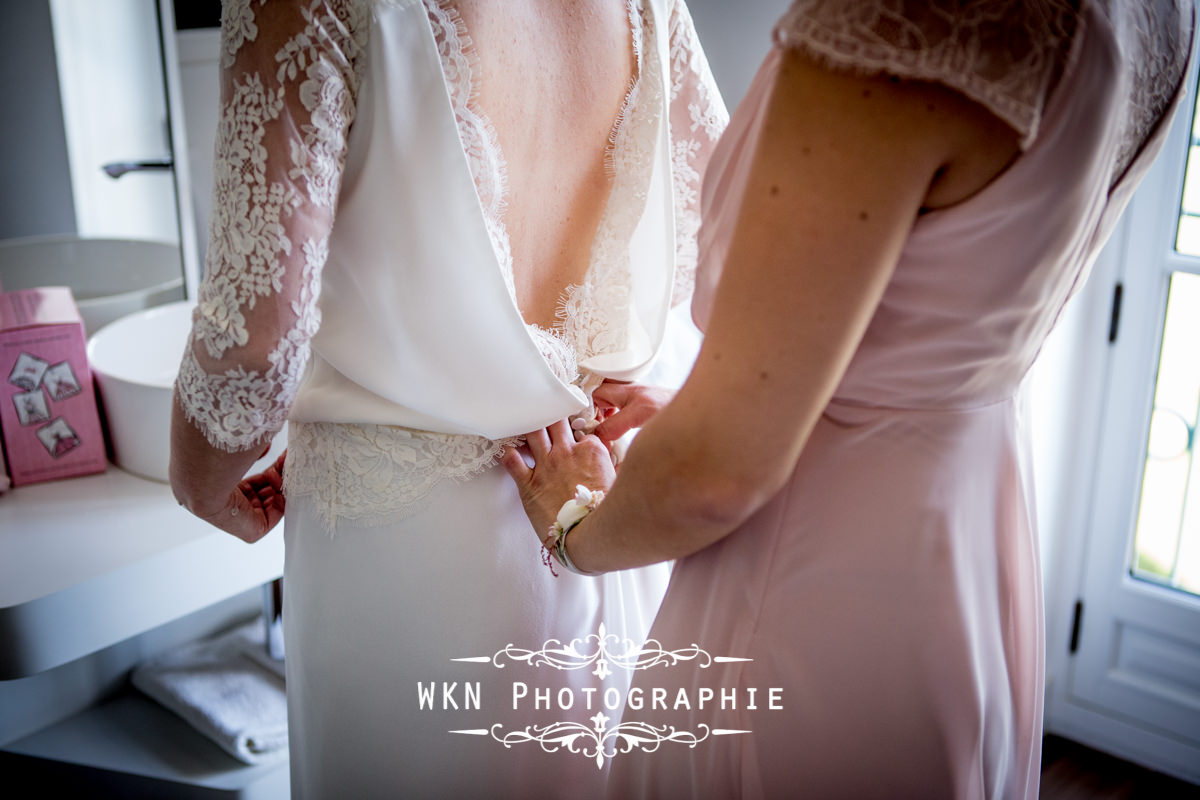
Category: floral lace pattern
<point>257,306</point>
<point>291,74</point>
<point>247,237</point>
<point>373,473</point>
<point>696,107</point>
<point>1003,54</point>
<point>460,64</point>
<point>489,170</point>
<point>237,26</point>
<point>317,158</point>
<point>593,316</point>
<point>1159,68</point>
<point>234,408</point>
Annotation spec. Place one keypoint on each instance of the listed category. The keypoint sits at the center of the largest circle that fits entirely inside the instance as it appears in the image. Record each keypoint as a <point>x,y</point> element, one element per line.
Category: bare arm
<point>842,169</point>
<point>208,482</point>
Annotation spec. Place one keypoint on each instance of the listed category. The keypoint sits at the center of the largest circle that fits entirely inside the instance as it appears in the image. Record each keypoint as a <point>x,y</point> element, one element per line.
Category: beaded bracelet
<point>571,514</point>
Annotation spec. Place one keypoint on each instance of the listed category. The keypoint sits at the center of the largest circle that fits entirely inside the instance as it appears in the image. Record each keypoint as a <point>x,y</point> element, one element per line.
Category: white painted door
<point>1133,681</point>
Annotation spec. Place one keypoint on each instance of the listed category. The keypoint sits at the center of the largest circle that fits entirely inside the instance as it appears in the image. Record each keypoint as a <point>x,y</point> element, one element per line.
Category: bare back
<point>552,79</point>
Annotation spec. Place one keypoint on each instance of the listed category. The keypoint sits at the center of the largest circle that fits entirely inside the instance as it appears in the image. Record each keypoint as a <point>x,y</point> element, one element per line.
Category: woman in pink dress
<point>893,222</point>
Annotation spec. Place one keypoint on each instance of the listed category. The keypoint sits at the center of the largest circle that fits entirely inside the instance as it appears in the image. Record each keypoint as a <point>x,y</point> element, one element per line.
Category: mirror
<point>90,148</point>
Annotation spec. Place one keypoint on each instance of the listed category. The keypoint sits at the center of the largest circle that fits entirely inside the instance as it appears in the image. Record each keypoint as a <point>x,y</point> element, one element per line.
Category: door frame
<point>1083,703</point>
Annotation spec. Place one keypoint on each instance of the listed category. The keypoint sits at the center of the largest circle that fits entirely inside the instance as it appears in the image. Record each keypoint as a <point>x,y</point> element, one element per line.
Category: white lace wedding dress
<point>392,341</point>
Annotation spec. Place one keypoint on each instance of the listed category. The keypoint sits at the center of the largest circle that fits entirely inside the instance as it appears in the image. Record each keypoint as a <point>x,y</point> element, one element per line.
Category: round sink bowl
<point>109,278</point>
<point>134,361</point>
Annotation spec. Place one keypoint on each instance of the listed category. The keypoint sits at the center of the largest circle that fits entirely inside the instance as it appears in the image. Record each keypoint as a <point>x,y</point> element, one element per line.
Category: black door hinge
<point>1075,625</point>
<point>1114,321</point>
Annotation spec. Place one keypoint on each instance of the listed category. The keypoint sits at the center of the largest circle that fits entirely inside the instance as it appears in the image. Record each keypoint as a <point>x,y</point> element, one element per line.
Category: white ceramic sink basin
<point>110,278</point>
<point>135,361</point>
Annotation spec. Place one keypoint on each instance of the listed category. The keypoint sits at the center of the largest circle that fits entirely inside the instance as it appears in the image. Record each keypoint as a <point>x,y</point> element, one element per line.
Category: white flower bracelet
<point>571,514</point>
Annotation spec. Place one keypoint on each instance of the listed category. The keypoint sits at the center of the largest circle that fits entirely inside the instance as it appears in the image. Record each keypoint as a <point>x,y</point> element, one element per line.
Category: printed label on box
<point>48,414</point>
<point>32,407</point>
<point>58,438</point>
<point>60,381</point>
<point>27,373</point>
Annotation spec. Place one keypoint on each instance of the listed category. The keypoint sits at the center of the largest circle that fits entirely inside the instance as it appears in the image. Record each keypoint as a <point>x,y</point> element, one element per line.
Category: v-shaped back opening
<point>592,308</point>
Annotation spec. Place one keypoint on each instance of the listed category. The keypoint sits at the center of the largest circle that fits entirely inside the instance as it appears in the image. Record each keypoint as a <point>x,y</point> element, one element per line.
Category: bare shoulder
<point>961,144</point>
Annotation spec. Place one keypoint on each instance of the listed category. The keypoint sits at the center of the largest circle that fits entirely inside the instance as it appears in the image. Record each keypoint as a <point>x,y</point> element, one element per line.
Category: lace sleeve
<point>289,77</point>
<point>697,119</point>
<point>1003,54</point>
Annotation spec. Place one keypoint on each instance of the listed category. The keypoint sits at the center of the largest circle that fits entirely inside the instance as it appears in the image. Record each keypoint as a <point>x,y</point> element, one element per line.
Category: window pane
<point>1167,540</point>
<point>1187,239</point>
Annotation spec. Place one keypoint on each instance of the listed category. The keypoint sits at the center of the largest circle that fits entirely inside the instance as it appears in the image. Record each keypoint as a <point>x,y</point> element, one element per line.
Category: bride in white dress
<point>436,225</point>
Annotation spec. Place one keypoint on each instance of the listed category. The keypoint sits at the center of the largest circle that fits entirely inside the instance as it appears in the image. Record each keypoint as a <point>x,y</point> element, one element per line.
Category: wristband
<point>570,515</point>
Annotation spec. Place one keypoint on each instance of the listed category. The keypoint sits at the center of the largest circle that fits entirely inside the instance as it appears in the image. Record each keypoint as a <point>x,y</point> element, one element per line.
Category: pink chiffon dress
<point>891,590</point>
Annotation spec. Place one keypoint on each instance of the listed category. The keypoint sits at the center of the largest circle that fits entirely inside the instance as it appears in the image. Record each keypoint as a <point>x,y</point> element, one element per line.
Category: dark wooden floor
<point>1071,771</point>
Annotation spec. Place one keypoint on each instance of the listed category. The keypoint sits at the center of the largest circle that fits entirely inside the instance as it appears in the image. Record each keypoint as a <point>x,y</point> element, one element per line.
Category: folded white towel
<point>222,693</point>
<point>258,652</point>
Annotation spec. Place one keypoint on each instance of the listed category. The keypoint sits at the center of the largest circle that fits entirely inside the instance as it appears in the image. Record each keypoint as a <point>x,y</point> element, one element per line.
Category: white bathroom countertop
<point>89,562</point>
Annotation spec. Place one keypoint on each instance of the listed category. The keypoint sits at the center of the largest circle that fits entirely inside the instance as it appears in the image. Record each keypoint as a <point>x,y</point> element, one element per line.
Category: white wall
<point>35,182</point>
<point>199,54</point>
<point>736,35</point>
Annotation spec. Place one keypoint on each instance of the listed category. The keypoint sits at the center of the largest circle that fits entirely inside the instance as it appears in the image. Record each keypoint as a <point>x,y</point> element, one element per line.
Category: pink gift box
<point>48,410</point>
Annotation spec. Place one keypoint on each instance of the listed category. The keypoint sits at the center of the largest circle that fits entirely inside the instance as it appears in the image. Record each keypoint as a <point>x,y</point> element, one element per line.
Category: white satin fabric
<point>418,328</point>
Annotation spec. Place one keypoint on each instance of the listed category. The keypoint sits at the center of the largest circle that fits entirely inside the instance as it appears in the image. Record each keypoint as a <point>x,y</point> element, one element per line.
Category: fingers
<point>271,512</point>
<point>268,479</point>
<point>248,491</point>
<point>543,440</point>
<point>560,433</point>
<point>250,511</point>
<point>623,422</point>
<point>637,405</point>
<point>263,497</point>
<point>610,393</point>
<point>243,519</point>
<point>515,465</point>
<point>539,443</point>
<point>266,495</point>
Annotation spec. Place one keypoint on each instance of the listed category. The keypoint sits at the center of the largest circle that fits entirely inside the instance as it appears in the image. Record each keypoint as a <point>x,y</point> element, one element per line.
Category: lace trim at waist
<point>375,474</point>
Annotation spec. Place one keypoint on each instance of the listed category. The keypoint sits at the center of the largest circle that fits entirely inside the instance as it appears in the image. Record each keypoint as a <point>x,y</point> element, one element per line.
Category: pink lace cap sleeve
<point>697,119</point>
<point>288,84</point>
<point>1003,54</point>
